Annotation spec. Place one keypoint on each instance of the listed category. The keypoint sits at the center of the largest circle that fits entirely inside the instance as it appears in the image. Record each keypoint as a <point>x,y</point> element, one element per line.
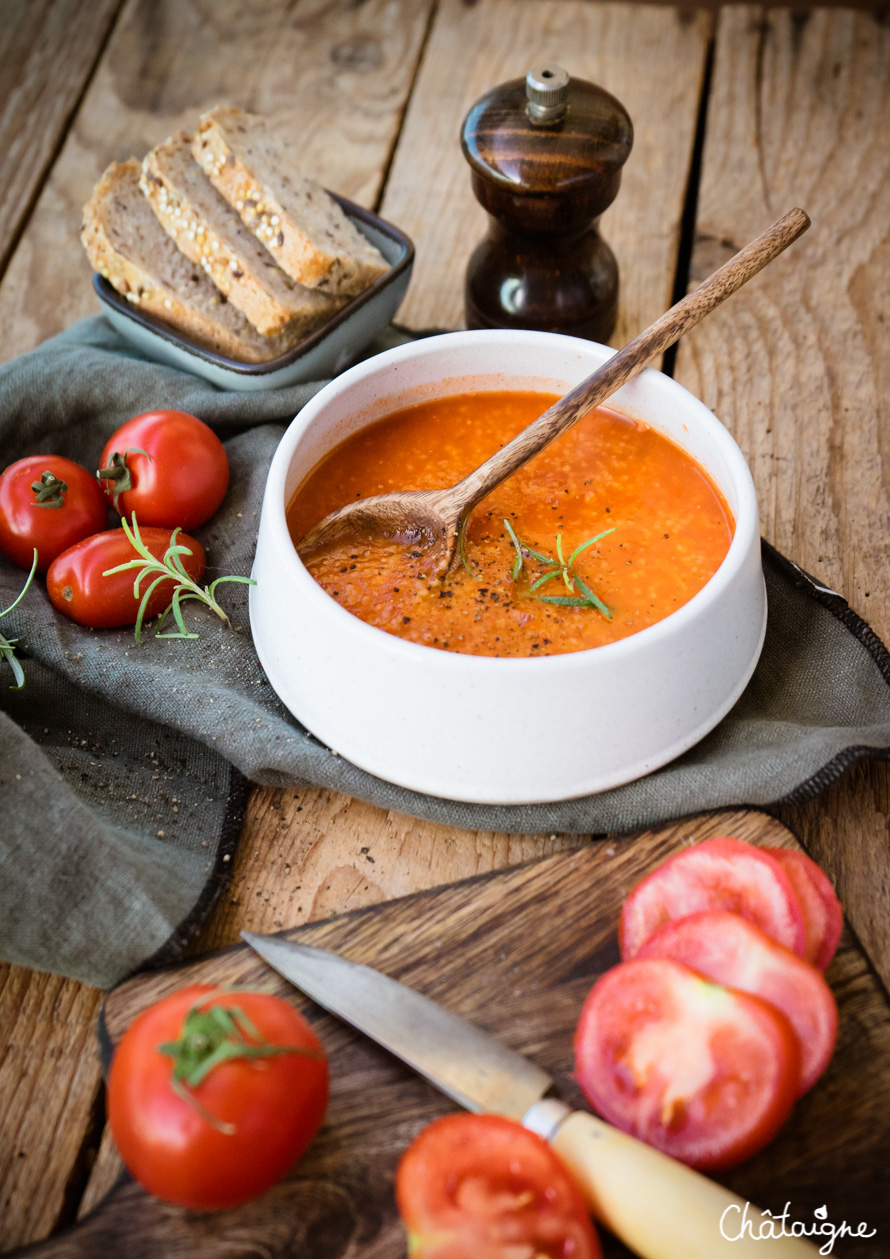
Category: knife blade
<point>655,1205</point>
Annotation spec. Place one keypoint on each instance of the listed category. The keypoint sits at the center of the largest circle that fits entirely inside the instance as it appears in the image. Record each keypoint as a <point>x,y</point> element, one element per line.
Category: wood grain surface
<point>334,76</point>
<point>797,364</point>
<point>48,49</point>
<point>797,107</point>
<point>515,952</point>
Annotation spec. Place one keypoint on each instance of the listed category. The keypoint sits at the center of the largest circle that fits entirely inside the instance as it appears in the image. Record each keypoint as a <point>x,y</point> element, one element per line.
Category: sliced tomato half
<point>720,873</point>
<point>823,916</point>
<point>483,1187</point>
<point>732,951</point>
<point>705,1073</point>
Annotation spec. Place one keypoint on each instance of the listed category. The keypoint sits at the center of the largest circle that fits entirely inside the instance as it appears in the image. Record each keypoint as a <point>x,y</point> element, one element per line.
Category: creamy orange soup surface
<point>670,529</point>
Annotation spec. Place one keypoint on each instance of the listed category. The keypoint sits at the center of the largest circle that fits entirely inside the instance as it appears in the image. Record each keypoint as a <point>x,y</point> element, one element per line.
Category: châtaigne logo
<point>738,1222</point>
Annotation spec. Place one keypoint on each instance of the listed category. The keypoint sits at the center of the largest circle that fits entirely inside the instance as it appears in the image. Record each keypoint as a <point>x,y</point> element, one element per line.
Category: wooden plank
<point>796,364</point>
<point>515,952</point>
<point>337,76</point>
<point>334,76</point>
<point>49,1075</point>
<point>651,58</point>
<point>47,52</point>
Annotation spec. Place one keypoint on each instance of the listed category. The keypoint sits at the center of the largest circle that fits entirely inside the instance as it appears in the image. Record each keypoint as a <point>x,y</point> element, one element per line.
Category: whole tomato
<point>484,1187</point>
<point>48,503</point>
<point>78,588</point>
<point>212,1138</point>
<point>166,466</point>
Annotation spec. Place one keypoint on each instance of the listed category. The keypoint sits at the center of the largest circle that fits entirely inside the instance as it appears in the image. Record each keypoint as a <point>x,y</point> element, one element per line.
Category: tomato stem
<point>49,491</point>
<point>118,471</point>
<point>211,1036</point>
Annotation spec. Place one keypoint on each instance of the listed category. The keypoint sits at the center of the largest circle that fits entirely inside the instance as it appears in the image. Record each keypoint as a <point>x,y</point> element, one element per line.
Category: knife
<point>658,1207</point>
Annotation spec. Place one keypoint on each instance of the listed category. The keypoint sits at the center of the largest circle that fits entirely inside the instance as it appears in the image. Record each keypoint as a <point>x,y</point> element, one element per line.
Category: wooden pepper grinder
<point>546,154</point>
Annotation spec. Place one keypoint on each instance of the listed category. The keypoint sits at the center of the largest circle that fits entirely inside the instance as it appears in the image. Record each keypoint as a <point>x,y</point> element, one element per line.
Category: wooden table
<point>740,113</point>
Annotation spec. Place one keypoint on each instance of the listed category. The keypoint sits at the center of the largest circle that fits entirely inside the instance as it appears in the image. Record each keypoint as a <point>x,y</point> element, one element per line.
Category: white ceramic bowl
<point>506,731</point>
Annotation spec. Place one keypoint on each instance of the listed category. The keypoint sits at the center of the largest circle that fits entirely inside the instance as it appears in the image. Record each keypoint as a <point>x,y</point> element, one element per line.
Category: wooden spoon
<point>435,518</point>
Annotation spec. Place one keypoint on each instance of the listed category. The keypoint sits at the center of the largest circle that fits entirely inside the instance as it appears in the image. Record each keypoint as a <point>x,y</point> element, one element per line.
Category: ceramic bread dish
<point>469,727</point>
<point>326,350</point>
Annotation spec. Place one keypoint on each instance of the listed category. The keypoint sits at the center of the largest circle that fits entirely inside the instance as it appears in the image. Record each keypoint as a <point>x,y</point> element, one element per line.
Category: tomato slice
<point>720,873</point>
<point>823,916</point>
<point>726,948</point>
<point>702,1072</point>
<point>484,1187</point>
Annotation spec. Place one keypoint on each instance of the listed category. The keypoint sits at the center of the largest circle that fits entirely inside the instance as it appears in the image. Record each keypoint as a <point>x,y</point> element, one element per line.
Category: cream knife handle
<point>658,1207</point>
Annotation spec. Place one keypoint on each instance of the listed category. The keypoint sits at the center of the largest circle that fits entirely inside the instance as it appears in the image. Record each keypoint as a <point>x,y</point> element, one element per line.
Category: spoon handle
<point>631,360</point>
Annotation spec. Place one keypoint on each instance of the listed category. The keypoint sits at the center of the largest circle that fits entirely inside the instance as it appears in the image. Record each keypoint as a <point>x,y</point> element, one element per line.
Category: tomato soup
<point>525,586</point>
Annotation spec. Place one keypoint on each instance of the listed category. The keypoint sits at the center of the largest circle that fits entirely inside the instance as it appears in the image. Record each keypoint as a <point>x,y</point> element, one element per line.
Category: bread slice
<point>126,244</point>
<point>305,229</point>
<point>210,232</point>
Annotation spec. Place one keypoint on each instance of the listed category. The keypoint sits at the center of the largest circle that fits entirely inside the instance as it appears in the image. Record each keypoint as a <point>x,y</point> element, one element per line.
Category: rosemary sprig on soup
<point>559,567</point>
<point>653,529</point>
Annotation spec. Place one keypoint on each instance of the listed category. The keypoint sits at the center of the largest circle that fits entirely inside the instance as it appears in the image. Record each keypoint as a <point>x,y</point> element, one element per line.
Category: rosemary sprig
<point>559,567</point>
<point>171,566</point>
<point>7,645</point>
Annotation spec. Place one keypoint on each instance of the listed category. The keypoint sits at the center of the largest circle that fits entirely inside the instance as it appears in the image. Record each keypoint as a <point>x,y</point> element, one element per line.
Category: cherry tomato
<point>732,951</point>
<point>78,588</point>
<point>483,1187</point>
<point>823,917</point>
<point>719,873</point>
<point>705,1073</point>
<point>225,1139</point>
<point>166,466</point>
<point>50,503</point>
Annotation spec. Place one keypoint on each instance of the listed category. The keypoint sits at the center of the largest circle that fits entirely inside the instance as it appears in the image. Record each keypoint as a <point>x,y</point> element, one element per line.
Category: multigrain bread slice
<point>307,232</point>
<point>126,243</point>
<point>210,232</point>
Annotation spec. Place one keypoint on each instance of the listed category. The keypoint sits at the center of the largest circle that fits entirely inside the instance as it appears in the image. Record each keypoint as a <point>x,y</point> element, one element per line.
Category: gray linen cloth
<point>123,767</point>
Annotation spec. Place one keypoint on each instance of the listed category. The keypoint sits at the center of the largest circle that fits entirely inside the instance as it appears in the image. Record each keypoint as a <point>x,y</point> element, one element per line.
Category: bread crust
<point>211,233</point>
<point>303,227</point>
<point>127,245</point>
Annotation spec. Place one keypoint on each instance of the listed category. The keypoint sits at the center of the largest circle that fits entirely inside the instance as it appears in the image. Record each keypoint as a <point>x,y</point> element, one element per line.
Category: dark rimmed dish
<point>323,352</point>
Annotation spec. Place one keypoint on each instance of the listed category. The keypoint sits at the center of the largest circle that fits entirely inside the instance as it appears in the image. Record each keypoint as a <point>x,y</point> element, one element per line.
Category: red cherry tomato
<point>732,951</point>
<point>66,505</point>
<point>702,1072</point>
<point>180,479</point>
<point>719,873</point>
<point>823,916</point>
<point>483,1187</point>
<point>230,1137</point>
<point>78,588</point>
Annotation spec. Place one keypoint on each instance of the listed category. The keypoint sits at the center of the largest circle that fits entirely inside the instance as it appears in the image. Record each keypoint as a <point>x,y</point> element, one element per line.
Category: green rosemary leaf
<point>564,601</point>
<point>545,559</point>
<point>140,615</point>
<point>597,603</point>
<point>245,581</point>
<point>7,652</point>
<point>540,580</point>
<point>590,541</point>
<point>24,590</point>
<point>518,562</point>
<point>461,546</point>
